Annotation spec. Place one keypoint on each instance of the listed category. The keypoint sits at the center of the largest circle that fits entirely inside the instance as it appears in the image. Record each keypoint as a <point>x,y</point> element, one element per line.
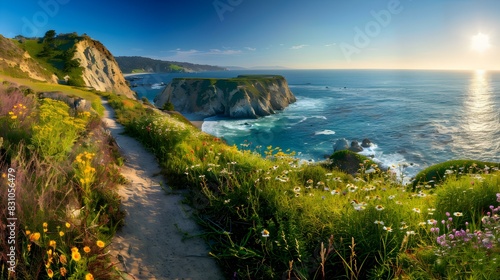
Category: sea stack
<point>246,96</point>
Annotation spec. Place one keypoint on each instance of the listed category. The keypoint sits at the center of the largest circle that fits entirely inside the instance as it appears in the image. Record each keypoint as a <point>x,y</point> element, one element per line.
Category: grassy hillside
<point>137,64</point>
<point>275,218</point>
<point>12,57</point>
<point>55,53</point>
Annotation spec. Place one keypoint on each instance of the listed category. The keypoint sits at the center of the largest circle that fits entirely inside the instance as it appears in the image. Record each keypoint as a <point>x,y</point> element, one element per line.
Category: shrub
<point>439,172</point>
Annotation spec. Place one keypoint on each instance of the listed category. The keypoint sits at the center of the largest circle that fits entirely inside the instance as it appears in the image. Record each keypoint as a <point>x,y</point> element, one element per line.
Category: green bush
<point>437,173</point>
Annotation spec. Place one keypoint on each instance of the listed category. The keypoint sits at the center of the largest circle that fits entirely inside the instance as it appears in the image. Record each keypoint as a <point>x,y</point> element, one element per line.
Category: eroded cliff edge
<point>100,69</point>
<point>246,96</point>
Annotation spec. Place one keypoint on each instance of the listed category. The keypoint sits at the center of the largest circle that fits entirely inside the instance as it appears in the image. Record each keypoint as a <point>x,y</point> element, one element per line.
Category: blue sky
<point>314,34</point>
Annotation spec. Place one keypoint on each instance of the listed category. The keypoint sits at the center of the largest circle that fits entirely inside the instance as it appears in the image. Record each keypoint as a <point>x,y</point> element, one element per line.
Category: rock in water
<point>355,147</point>
<point>366,143</point>
<point>246,96</point>
<point>340,145</point>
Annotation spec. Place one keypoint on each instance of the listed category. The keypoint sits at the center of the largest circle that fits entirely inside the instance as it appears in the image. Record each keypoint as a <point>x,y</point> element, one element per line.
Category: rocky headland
<point>246,96</point>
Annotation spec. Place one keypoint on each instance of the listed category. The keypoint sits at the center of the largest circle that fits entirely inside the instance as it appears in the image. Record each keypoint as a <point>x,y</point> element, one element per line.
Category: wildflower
<point>89,276</point>
<point>86,249</point>
<point>377,222</point>
<point>391,197</point>
<point>63,271</point>
<point>227,201</point>
<point>403,227</point>
<point>50,273</point>
<point>410,232</point>
<point>52,243</point>
<point>61,234</point>
<point>388,229</point>
<point>74,249</point>
<point>35,236</point>
<point>76,256</point>
<point>265,233</point>
<point>432,222</point>
<point>457,214</point>
<point>28,232</point>
<point>62,259</point>
<point>68,225</point>
<point>416,210</point>
<point>4,175</point>
<point>379,207</point>
<point>296,189</point>
<point>100,244</point>
<point>399,202</point>
<point>422,224</point>
<point>351,187</point>
<point>335,192</point>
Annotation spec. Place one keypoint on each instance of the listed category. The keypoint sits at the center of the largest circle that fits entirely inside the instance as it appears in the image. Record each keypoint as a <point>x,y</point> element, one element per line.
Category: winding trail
<point>150,245</point>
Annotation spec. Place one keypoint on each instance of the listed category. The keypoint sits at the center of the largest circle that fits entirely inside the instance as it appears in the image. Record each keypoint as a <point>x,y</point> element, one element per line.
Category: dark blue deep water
<point>415,118</point>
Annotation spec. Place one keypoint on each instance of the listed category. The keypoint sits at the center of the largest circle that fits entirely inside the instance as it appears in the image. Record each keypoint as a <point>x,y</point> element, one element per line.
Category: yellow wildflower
<point>68,225</point>
<point>28,232</point>
<point>89,276</point>
<point>100,244</point>
<point>61,234</point>
<point>45,224</point>
<point>50,273</point>
<point>74,249</point>
<point>34,236</point>
<point>52,243</point>
<point>76,256</point>
<point>13,117</point>
<point>86,249</point>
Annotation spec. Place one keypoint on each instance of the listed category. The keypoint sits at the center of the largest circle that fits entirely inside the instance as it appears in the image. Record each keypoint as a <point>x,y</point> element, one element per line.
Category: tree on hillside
<point>48,43</point>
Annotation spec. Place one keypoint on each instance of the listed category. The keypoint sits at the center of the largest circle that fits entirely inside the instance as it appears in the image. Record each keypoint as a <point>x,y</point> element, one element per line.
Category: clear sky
<point>314,34</point>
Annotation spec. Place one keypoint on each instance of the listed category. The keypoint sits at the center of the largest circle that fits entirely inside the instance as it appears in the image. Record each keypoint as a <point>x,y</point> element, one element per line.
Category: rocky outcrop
<point>246,96</point>
<point>76,103</point>
<point>100,69</point>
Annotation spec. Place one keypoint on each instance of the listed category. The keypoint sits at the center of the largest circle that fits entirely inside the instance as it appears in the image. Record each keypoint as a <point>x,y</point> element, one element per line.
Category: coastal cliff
<point>246,96</point>
<point>100,69</point>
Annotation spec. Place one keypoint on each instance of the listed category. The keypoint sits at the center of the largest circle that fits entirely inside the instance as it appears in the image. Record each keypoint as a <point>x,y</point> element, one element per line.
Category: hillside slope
<point>18,63</point>
<point>76,60</point>
<point>132,64</point>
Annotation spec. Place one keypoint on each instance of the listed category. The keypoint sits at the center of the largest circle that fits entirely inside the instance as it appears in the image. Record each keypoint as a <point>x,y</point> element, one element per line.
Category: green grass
<point>369,225</point>
<point>70,91</point>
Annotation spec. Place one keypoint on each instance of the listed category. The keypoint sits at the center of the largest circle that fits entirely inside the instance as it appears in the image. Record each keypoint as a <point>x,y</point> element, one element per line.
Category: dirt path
<point>150,246</point>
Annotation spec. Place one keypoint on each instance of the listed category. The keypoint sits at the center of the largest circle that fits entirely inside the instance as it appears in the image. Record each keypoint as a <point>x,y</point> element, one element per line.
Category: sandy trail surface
<point>150,245</point>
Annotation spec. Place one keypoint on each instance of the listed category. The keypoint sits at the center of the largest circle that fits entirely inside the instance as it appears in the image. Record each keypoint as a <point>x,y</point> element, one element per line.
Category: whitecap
<point>325,132</point>
<point>158,86</point>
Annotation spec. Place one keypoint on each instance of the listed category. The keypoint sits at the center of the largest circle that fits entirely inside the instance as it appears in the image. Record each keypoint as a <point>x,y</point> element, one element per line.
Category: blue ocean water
<point>415,118</point>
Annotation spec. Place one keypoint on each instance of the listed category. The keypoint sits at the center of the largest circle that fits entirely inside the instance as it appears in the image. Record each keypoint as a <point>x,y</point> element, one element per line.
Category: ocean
<point>415,118</point>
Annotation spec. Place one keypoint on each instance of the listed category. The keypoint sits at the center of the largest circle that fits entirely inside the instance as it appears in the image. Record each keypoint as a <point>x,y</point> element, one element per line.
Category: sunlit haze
<point>317,34</point>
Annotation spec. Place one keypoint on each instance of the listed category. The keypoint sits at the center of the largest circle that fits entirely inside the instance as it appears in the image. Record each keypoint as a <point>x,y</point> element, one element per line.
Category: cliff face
<point>17,62</point>
<point>241,97</point>
<point>100,69</point>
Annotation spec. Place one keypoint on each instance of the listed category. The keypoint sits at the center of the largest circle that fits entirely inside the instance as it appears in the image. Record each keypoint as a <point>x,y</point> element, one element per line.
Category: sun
<point>480,42</point>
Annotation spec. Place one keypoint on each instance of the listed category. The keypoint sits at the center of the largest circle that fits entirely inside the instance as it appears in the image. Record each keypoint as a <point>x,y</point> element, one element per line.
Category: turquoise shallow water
<point>415,118</point>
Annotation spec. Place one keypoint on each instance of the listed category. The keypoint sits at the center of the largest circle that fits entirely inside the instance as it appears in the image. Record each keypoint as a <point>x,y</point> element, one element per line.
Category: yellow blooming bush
<point>56,131</point>
<point>85,174</point>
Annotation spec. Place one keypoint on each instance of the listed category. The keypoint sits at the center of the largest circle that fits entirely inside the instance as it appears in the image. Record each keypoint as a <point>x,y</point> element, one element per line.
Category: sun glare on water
<point>480,42</point>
